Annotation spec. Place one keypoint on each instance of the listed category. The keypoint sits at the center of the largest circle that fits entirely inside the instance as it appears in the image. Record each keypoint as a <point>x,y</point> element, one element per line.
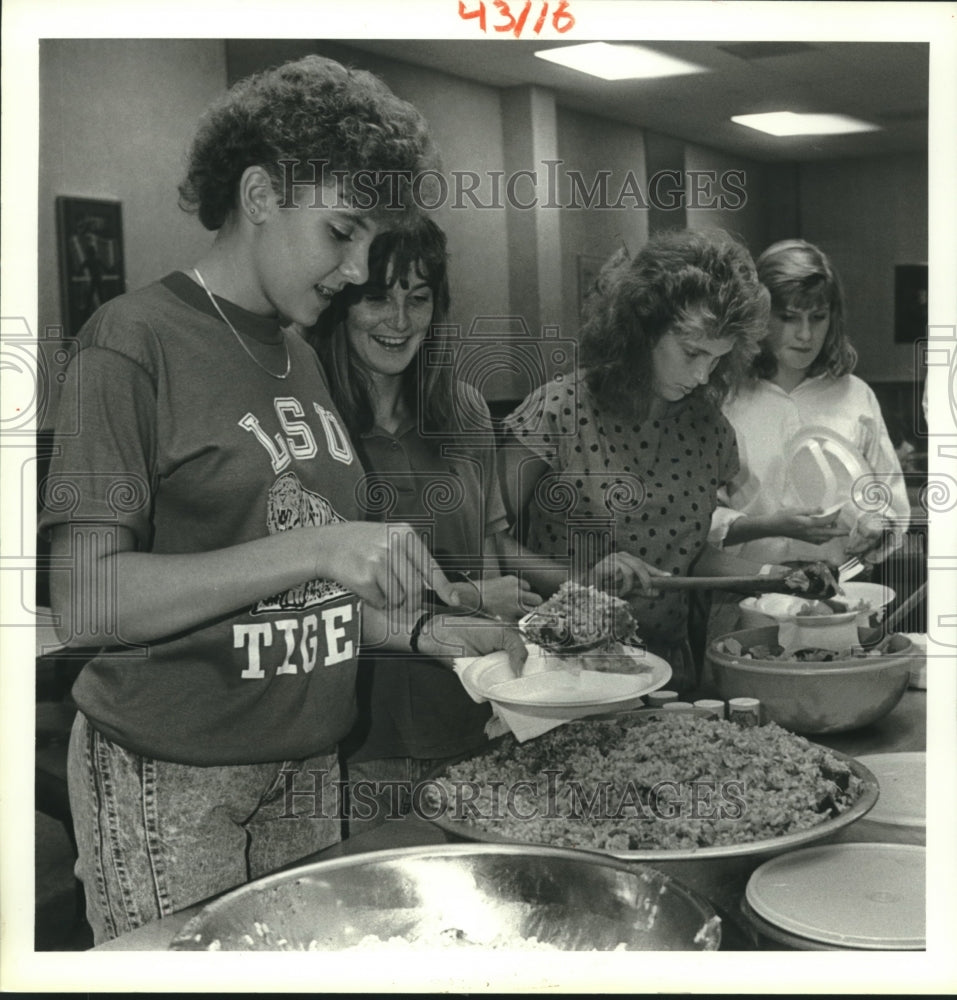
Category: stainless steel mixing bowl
<point>472,896</point>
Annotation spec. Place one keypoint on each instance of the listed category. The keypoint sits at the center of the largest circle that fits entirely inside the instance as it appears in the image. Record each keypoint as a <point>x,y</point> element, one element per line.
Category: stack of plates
<point>843,896</point>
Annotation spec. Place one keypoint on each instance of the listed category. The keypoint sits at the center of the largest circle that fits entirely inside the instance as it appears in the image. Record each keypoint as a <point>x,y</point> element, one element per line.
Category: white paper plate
<point>860,896</point>
<point>903,782</point>
<point>823,467</point>
<point>566,689</point>
<point>830,511</point>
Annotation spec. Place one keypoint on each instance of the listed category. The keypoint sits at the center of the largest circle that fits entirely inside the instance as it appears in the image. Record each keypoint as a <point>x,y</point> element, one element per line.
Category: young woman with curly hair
<point>614,470</point>
<point>208,509</point>
<point>801,389</point>
<point>419,433</point>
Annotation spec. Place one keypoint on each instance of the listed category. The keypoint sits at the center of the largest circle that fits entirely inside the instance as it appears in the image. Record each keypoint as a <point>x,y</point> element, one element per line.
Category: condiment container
<point>712,705</point>
<point>745,711</point>
<point>657,699</point>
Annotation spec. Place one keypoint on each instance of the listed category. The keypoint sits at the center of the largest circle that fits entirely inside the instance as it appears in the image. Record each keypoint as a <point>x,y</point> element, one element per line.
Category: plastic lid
<point>902,778</point>
<point>773,933</point>
<point>849,895</point>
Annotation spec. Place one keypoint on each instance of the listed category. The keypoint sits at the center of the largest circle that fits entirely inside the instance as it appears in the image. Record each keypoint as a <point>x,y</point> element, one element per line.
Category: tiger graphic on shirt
<point>290,505</point>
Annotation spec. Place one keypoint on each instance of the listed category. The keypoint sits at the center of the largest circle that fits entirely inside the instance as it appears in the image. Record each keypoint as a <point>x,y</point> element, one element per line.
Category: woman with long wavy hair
<point>427,443</point>
<point>614,470</point>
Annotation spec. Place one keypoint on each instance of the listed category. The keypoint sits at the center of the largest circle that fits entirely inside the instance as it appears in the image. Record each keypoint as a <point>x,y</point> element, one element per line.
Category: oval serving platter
<point>460,829</point>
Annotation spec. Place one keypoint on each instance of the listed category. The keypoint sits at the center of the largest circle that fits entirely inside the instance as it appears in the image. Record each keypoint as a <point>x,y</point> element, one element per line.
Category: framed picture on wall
<point>90,247</point>
<point>910,303</point>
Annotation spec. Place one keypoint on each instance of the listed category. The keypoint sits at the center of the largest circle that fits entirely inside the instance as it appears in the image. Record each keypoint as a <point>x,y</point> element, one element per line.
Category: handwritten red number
<point>505,11</point>
<point>522,18</point>
<point>563,13</point>
<point>467,15</point>
<point>562,18</point>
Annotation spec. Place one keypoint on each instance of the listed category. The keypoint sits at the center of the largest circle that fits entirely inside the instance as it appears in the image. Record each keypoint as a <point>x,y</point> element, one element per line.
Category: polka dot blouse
<point>647,488</point>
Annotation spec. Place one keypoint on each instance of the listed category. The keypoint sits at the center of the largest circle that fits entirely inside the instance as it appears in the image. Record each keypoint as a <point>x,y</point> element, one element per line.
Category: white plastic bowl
<point>772,609</point>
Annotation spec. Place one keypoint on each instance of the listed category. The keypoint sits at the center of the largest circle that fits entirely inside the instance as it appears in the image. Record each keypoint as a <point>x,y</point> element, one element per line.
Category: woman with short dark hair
<point>207,507</point>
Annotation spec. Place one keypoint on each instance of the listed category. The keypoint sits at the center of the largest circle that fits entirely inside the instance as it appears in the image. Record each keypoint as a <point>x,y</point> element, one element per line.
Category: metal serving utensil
<point>741,584</point>
<point>816,580</point>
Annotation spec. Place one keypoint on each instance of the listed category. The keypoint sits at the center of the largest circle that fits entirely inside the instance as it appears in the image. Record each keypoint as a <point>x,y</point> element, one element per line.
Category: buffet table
<point>721,881</point>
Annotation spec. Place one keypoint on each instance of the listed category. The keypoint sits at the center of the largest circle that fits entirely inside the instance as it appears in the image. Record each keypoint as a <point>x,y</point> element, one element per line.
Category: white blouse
<point>772,425</point>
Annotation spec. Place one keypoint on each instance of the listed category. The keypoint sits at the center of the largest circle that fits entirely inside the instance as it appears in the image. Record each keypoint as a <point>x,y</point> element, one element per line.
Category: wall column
<point>534,233</point>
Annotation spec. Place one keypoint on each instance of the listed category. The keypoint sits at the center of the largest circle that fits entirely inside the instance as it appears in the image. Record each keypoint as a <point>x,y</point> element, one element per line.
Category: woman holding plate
<point>206,509</point>
<point>614,471</point>
<point>804,420</point>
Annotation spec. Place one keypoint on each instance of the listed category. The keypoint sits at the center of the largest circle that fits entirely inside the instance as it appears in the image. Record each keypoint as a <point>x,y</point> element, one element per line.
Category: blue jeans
<point>155,837</point>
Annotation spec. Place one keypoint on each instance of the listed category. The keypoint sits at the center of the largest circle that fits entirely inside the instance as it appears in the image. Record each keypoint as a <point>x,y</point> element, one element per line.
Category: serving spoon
<point>803,580</point>
<point>743,584</point>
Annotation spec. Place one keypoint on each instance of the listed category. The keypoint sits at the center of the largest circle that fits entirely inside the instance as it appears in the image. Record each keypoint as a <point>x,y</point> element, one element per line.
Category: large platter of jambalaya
<point>652,785</point>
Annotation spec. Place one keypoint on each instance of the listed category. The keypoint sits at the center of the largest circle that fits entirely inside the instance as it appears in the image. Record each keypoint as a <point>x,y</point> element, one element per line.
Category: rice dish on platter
<point>678,782</point>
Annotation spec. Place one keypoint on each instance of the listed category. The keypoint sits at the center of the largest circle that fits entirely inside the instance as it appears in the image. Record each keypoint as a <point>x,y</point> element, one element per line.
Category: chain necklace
<point>242,343</point>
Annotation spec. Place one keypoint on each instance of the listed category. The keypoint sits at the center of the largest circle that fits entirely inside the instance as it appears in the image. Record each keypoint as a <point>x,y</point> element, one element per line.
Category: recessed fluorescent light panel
<point>791,123</point>
<point>619,62</point>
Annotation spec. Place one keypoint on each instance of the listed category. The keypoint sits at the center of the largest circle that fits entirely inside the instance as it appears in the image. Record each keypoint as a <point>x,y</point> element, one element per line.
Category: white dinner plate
<point>561,689</point>
<point>867,896</point>
<point>829,511</point>
<point>902,778</point>
<point>824,468</point>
